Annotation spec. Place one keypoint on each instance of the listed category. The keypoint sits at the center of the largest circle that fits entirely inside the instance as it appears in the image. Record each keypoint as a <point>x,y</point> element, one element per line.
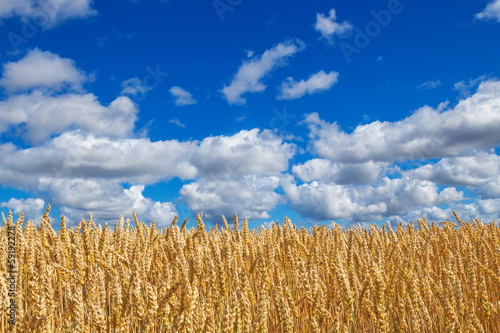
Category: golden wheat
<point>435,278</point>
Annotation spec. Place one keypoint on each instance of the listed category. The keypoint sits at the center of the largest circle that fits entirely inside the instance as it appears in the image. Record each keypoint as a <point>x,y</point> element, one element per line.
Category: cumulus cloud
<point>388,197</point>
<point>433,213</point>
<point>490,190</point>
<point>475,170</point>
<point>75,155</point>
<point>321,81</point>
<point>37,116</point>
<point>329,28</point>
<point>245,153</point>
<point>93,167</point>
<point>31,208</point>
<point>40,69</point>
<point>484,210</point>
<point>330,172</point>
<point>78,155</point>
<point>430,85</point>
<point>106,200</point>
<point>250,196</point>
<point>182,97</point>
<point>491,12</point>
<point>428,133</point>
<point>47,14</point>
<point>250,74</point>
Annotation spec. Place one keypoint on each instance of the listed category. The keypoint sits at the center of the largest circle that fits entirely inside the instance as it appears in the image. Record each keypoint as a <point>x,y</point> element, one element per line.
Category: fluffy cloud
<point>106,200</point>
<point>388,197</point>
<point>486,211</point>
<point>431,214</point>
<point>250,196</point>
<point>491,12</point>
<point>250,74</point>
<point>82,172</point>
<point>31,208</point>
<point>182,97</point>
<point>75,154</point>
<point>245,153</point>
<point>329,172</point>
<point>490,190</point>
<point>37,116</point>
<point>329,28</point>
<point>42,70</point>
<point>48,13</point>
<point>428,133</point>
<point>78,155</point>
<point>41,111</point>
<point>475,170</point>
<point>321,81</point>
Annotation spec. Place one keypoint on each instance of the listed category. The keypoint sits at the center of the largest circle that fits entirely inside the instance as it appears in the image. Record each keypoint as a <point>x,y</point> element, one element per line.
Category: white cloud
<point>182,97</point>
<point>491,12</point>
<point>245,153</point>
<point>329,28</point>
<point>106,200</point>
<point>250,74</point>
<point>249,196</point>
<point>489,206</point>
<point>31,208</point>
<point>475,170</point>
<point>42,70</point>
<point>92,169</point>
<point>330,172</point>
<point>430,85</point>
<point>490,189</point>
<point>486,211</point>
<point>428,133</point>
<point>431,214</point>
<point>75,155</point>
<point>37,116</point>
<point>47,14</point>
<point>321,81</point>
<point>387,198</point>
<point>177,122</point>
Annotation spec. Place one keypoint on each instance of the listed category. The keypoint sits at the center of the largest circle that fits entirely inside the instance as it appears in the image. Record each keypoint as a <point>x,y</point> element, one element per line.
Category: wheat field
<point>439,277</point>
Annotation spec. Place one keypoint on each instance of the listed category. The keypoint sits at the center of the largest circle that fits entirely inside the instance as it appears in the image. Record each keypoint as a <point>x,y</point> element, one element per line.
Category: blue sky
<point>360,111</point>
